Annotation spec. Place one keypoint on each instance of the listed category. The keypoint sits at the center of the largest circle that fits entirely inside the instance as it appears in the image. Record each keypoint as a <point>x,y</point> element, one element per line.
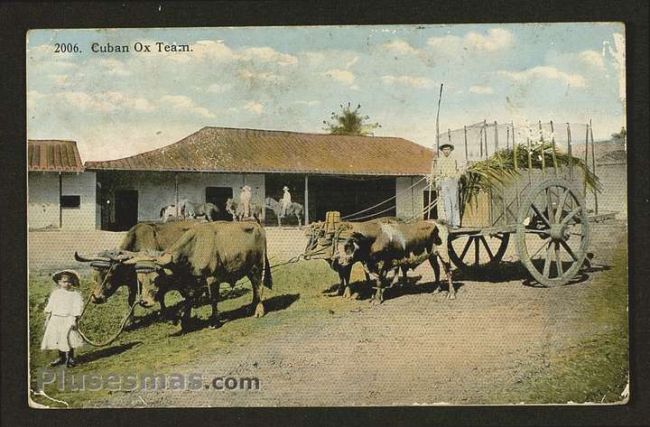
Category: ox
<point>203,258</point>
<point>316,233</point>
<point>397,245</point>
<point>109,271</point>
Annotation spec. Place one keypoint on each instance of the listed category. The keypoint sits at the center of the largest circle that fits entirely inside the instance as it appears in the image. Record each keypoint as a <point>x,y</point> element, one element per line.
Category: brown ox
<point>204,257</point>
<point>397,245</point>
<point>371,229</point>
<point>109,272</point>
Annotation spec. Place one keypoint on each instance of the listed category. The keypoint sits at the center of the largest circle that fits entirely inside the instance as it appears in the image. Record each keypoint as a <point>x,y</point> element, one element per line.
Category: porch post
<point>306,200</point>
<point>60,195</point>
<point>176,192</point>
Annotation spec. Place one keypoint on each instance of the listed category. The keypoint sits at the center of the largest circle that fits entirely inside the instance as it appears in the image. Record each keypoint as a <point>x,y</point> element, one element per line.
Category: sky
<point>116,104</point>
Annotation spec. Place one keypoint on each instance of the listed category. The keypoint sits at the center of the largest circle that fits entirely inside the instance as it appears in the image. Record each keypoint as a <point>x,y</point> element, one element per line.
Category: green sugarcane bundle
<point>499,169</point>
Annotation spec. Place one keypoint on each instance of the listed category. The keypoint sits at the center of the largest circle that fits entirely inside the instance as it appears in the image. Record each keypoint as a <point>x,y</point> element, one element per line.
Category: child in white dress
<point>64,307</point>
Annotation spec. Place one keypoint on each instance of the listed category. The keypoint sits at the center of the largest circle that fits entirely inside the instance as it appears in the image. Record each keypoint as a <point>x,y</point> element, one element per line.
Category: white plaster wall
<point>83,185</point>
<point>43,200</point>
<point>153,194</point>
<point>409,201</point>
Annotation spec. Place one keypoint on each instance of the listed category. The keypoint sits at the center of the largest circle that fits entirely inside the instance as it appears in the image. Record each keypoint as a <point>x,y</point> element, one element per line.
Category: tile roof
<point>215,149</point>
<point>51,155</point>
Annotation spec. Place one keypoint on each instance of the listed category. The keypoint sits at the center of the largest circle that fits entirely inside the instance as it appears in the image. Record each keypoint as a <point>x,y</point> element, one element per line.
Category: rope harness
<point>122,323</point>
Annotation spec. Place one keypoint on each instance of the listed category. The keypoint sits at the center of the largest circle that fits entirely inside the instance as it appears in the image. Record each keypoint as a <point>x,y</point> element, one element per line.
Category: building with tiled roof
<point>323,172</point>
<point>60,193</point>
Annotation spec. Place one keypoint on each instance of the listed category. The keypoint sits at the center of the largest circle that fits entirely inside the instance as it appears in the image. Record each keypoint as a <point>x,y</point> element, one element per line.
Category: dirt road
<point>417,347</point>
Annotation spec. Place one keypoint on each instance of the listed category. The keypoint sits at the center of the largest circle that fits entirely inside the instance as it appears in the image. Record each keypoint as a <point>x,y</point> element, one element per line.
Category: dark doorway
<point>350,195</point>
<point>218,196</point>
<point>126,209</point>
<point>433,210</point>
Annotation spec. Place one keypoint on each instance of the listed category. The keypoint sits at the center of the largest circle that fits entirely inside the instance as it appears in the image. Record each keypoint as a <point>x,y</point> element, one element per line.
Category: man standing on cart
<point>446,174</point>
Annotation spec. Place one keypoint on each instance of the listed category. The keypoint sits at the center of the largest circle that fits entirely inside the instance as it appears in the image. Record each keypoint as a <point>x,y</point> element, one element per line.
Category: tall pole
<point>496,136</point>
<point>437,150</point>
<point>593,163</point>
<point>569,150</point>
<point>584,186</point>
<point>542,152</point>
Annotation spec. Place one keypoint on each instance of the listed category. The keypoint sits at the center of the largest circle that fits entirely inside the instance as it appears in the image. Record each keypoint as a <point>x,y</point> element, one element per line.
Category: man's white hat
<point>285,188</point>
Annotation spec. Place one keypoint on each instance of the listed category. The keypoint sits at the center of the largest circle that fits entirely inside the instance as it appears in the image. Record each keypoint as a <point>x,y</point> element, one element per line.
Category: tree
<point>620,136</point>
<point>349,122</point>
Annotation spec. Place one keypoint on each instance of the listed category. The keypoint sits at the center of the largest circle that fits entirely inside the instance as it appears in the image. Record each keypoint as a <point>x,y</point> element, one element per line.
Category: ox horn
<point>82,258</point>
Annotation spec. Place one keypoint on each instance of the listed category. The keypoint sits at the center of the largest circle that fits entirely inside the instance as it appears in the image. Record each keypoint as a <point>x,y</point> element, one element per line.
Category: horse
<point>168,212</point>
<point>192,210</point>
<point>293,209</point>
<point>237,210</point>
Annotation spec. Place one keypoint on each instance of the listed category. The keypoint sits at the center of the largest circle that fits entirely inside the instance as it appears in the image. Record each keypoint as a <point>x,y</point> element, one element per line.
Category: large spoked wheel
<point>553,232</point>
<point>469,251</point>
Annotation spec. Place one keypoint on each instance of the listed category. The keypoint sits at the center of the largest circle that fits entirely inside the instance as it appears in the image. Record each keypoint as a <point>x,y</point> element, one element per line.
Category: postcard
<point>327,216</point>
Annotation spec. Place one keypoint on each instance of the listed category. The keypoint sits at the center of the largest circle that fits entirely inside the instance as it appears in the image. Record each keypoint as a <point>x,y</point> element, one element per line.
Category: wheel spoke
<point>538,250</point>
<point>560,206</point>
<point>533,231</point>
<point>539,213</point>
<point>569,250</point>
<point>487,248</point>
<point>466,248</point>
<point>549,204</point>
<point>573,213</point>
<point>558,260</point>
<point>547,261</point>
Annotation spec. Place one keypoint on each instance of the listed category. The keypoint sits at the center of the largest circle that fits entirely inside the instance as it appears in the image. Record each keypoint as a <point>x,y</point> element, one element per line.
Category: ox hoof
<point>215,325</point>
<point>355,295</point>
<point>259,310</point>
<point>347,293</point>
<point>451,296</point>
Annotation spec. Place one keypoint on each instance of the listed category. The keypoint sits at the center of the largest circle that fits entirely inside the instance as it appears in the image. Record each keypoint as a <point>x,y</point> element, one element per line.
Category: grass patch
<point>594,369</point>
<point>151,345</point>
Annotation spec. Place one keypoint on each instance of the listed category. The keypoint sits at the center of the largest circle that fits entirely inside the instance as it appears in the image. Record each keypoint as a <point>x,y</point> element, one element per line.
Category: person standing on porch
<point>285,202</point>
<point>446,175</point>
<point>245,200</point>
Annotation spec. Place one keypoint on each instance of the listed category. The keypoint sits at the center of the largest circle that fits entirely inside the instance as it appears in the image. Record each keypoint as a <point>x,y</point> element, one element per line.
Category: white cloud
<point>217,88</point>
<point>115,67</point>
<point>253,77</point>
<point>481,90</point>
<point>254,107</point>
<point>412,81</point>
<point>185,104</point>
<point>545,73</point>
<point>267,54</point>
<point>308,103</point>
<point>104,102</point>
<point>592,58</point>
<point>496,39</point>
<point>400,47</point>
<point>343,76</point>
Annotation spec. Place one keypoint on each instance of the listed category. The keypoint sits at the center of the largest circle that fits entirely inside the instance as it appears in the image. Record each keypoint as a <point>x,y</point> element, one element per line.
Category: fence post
<point>485,136</point>
<point>543,154</point>
<point>553,148</point>
<point>466,156</point>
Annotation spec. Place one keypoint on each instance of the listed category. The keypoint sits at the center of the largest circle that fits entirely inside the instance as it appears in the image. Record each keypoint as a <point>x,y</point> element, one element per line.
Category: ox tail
<point>267,280</point>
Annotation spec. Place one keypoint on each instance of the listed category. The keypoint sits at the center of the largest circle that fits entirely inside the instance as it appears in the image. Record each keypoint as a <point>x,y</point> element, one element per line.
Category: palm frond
<point>497,170</point>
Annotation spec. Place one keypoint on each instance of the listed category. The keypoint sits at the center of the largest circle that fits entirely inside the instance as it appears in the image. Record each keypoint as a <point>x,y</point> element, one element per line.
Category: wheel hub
<point>558,232</point>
